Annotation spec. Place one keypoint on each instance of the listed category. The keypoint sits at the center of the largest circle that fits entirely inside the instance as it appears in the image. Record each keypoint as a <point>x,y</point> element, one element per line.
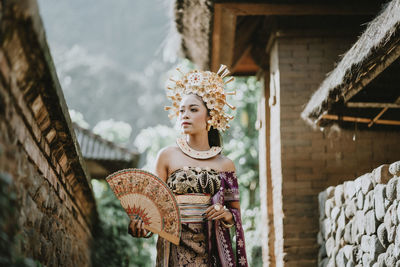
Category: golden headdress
<point>210,87</point>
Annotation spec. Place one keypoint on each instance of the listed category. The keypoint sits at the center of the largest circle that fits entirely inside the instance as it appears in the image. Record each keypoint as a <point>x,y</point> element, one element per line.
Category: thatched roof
<point>193,21</point>
<point>381,37</point>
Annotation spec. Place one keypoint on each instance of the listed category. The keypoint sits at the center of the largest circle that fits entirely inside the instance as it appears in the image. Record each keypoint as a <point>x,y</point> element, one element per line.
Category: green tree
<point>115,131</point>
<point>113,246</point>
<point>241,146</point>
<point>150,140</point>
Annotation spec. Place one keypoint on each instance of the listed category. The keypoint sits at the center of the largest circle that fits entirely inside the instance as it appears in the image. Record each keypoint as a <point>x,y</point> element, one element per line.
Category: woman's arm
<point>161,165</point>
<point>228,165</point>
<point>234,205</point>
<point>224,214</point>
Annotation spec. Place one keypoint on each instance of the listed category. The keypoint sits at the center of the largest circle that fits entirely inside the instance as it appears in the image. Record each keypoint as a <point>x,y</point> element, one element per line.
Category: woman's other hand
<point>219,212</point>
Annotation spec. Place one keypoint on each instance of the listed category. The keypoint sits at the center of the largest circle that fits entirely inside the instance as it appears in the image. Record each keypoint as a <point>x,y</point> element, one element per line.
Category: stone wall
<point>359,220</point>
<point>53,212</point>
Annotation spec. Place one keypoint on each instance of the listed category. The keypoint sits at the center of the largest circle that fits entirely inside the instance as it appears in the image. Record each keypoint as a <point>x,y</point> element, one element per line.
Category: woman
<point>202,179</point>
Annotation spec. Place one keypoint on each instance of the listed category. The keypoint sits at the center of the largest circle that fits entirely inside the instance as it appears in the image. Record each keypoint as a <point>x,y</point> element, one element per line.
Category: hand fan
<point>143,195</point>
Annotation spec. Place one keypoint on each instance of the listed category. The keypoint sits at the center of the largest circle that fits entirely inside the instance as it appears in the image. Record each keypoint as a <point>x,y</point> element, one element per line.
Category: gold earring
<point>208,126</point>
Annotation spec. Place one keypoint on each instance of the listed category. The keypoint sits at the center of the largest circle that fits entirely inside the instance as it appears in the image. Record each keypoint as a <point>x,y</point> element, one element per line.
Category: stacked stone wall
<point>360,220</point>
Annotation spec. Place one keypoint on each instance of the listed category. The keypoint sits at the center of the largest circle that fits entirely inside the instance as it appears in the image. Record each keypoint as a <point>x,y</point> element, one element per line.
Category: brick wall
<point>47,229</point>
<point>310,160</point>
<point>53,212</point>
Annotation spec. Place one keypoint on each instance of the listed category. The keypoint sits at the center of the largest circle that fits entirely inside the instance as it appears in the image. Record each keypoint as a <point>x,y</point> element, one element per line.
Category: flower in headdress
<point>213,79</point>
<point>195,78</point>
<point>201,91</point>
<point>206,97</point>
<point>180,84</point>
<point>210,103</point>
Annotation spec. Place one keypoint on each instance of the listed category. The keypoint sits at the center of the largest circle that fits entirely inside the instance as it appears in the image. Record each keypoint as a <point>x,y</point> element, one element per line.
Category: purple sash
<point>218,236</point>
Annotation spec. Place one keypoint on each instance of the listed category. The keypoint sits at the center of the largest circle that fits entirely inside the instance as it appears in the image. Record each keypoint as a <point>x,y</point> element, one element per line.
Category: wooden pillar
<point>274,183</point>
<point>268,236</point>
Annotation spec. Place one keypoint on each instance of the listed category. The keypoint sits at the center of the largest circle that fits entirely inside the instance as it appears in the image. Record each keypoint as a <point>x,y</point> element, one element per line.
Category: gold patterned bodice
<point>189,180</point>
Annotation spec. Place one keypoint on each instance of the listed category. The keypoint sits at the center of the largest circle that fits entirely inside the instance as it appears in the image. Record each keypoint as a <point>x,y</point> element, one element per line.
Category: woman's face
<point>192,114</point>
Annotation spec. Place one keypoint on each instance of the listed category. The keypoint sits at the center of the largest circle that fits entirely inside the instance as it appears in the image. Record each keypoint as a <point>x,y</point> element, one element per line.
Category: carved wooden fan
<point>143,195</point>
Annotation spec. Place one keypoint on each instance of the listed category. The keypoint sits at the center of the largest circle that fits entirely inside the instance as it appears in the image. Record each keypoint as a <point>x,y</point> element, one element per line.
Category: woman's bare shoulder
<point>227,164</point>
<point>163,161</point>
<point>166,151</point>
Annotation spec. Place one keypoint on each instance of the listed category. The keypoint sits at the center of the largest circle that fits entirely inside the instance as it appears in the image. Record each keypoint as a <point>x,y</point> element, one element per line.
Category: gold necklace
<point>197,154</point>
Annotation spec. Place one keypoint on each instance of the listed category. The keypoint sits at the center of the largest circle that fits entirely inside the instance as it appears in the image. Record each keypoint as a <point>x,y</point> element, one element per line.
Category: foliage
<point>78,118</point>
<point>115,131</point>
<point>113,246</point>
<point>150,140</point>
<point>241,146</point>
<point>112,236</point>
<point>108,57</point>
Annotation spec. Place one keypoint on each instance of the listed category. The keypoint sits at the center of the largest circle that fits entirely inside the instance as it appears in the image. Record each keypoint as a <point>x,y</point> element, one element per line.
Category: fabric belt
<point>193,206</point>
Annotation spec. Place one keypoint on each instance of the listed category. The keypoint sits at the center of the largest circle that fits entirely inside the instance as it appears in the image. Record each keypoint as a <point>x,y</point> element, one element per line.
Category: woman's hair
<point>214,138</point>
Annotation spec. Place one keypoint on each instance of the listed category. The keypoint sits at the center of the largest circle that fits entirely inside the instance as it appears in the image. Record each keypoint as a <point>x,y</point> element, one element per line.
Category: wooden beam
<point>245,28</point>
<point>357,119</point>
<point>263,125</point>
<point>225,18</point>
<point>246,65</point>
<point>377,117</point>
<point>371,105</point>
<point>223,37</point>
<point>349,31</point>
<point>381,113</point>
<point>265,9</point>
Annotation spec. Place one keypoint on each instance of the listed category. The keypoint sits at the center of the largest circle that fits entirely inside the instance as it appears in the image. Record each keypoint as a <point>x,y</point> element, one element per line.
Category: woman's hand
<point>136,229</point>
<point>219,212</point>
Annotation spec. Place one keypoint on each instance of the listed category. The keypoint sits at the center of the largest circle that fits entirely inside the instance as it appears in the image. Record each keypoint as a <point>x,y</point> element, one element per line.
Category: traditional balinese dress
<point>203,242</point>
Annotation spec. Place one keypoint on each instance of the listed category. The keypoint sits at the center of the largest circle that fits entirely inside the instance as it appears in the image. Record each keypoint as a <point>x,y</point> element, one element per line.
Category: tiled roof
<point>95,147</point>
